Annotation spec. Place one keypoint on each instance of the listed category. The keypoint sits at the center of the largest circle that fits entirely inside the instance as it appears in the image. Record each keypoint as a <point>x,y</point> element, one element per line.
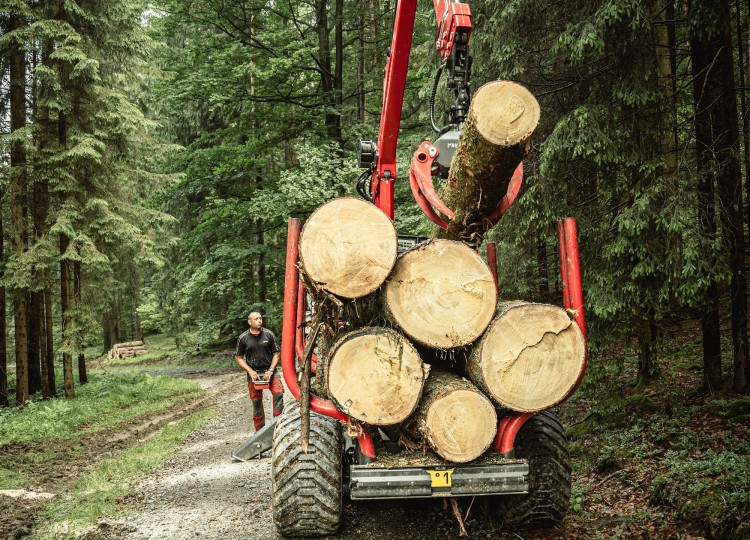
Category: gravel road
<point>203,493</point>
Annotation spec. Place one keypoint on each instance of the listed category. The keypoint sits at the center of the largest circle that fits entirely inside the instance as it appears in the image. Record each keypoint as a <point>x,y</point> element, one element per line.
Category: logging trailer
<point>525,475</point>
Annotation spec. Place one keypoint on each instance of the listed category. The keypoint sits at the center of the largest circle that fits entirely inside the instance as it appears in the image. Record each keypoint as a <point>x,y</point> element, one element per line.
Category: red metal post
<point>289,321</point>
<point>393,99</point>
<point>500,430</point>
<point>492,262</point>
<point>513,426</point>
<point>288,334</point>
<point>572,283</point>
<point>572,269</point>
<point>563,264</point>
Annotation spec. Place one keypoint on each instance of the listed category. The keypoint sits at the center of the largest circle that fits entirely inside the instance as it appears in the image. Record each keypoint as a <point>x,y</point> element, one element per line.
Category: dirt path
<point>203,493</point>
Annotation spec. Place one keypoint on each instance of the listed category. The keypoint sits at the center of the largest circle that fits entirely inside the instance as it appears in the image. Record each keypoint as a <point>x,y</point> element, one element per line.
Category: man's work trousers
<point>256,396</point>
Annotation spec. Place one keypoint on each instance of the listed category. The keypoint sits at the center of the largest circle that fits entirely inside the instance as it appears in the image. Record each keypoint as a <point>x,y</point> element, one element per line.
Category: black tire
<point>306,487</point>
<point>542,442</point>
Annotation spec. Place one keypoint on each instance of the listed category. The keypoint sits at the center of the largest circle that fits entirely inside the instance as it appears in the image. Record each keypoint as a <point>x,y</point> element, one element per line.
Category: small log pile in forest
<point>382,319</point>
<point>127,349</point>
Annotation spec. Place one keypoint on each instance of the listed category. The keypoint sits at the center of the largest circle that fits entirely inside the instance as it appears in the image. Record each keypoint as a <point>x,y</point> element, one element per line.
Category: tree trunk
<point>66,319</point>
<point>19,208</point>
<point>137,329</point>
<point>82,375</point>
<point>3,330</point>
<point>332,118</point>
<point>494,140</point>
<point>111,328</point>
<point>34,321</point>
<point>50,343</point>
<point>348,247</point>
<point>744,112</point>
<point>645,329</point>
<point>454,418</point>
<point>43,366</point>
<point>45,141</point>
<point>361,69</point>
<point>530,357</point>
<point>260,241</point>
<point>441,294</point>
<point>701,60</point>
<point>542,266</point>
<point>375,375</point>
<point>713,64</point>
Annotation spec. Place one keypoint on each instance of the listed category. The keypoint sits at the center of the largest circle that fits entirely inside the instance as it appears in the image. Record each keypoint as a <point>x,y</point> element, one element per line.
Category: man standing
<point>258,355</point>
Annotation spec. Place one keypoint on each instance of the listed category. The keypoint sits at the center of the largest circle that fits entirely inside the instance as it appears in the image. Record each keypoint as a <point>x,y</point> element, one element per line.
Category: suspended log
<point>494,140</point>
<point>454,418</point>
<point>441,294</point>
<point>530,357</point>
<point>348,247</point>
<point>375,375</point>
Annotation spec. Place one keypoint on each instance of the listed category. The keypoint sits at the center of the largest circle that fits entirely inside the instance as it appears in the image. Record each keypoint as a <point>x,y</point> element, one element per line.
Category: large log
<point>348,247</point>
<point>454,418</point>
<point>530,357</point>
<point>441,294</point>
<point>375,375</point>
<point>494,140</point>
<point>127,344</point>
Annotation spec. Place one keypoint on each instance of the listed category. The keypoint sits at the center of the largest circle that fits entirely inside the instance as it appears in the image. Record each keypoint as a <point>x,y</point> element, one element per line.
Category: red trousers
<point>256,396</point>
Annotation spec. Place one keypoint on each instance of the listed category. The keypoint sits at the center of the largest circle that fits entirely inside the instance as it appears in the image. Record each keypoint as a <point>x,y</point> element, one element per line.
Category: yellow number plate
<point>441,479</point>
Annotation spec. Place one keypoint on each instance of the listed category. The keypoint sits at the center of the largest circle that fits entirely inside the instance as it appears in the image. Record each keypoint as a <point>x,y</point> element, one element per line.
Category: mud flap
<point>261,441</point>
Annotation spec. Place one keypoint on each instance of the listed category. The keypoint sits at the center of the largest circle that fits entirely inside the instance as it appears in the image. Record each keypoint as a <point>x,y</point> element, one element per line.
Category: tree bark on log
<point>494,140</point>
<point>441,294</point>
<point>454,418</point>
<point>128,344</point>
<point>530,357</point>
<point>348,247</point>
<point>375,375</point>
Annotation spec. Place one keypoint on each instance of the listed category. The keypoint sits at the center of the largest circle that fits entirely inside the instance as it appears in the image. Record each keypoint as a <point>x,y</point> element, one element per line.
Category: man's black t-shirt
<point>257,351</point>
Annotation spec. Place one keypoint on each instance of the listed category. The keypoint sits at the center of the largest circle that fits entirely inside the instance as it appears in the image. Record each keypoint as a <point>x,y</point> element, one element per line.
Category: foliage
<point>106,401</point>
<point>268,132</point>
<point>714,485</point>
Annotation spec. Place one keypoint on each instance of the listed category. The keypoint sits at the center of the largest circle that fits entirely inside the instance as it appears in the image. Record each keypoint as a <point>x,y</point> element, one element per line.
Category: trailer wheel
<point>306,487</point>
<point>542,442</point>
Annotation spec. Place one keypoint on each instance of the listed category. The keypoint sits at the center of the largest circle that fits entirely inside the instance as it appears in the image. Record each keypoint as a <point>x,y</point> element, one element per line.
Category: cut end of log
<point>441,294</point>
<point>509,113</point>
<point>461,425</point>
<point>348,247</point>
<point>376,376</point>
<point>530,358</point>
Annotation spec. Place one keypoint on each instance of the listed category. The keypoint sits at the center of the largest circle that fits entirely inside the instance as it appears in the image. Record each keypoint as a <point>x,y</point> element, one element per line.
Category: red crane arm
<point>454,19</point>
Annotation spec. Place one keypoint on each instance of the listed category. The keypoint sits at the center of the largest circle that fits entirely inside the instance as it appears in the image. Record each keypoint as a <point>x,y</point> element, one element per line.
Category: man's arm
<point>247,369</point>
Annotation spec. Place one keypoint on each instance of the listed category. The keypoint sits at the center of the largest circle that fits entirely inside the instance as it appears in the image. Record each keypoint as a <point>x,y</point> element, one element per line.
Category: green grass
<point>97,492</point>
<point>108,399</point>
<point>11,479</point>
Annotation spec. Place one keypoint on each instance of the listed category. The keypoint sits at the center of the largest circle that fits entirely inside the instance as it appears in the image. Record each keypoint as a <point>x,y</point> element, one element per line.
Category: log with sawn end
<point>494,139</point>
<point>530,358</point>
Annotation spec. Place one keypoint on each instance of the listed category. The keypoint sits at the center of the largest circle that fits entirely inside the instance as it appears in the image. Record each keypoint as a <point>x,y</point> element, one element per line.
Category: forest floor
<point>664,462</point>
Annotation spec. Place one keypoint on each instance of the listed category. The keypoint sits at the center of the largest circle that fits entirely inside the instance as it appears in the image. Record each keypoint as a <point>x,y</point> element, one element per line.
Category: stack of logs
<point>127,350</point>
<point>420,340</point>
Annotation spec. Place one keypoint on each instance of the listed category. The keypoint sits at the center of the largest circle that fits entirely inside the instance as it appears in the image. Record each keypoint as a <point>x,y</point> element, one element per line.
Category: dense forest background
<point>153,151</point>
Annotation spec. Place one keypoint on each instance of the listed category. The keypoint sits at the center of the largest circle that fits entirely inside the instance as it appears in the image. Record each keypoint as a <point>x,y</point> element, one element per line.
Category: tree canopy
<point>152,153</point>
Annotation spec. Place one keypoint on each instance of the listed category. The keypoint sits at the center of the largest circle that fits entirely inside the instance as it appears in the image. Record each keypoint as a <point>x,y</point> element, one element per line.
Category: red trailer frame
<point>454,20</point>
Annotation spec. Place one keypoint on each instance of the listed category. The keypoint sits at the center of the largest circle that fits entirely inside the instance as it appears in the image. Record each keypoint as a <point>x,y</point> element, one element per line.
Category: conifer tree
<point>718,146</point>
<point>17,192</point>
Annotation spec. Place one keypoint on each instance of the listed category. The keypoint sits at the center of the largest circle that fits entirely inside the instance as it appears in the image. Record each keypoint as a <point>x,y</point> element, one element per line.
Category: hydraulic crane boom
<point>454,27</point>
